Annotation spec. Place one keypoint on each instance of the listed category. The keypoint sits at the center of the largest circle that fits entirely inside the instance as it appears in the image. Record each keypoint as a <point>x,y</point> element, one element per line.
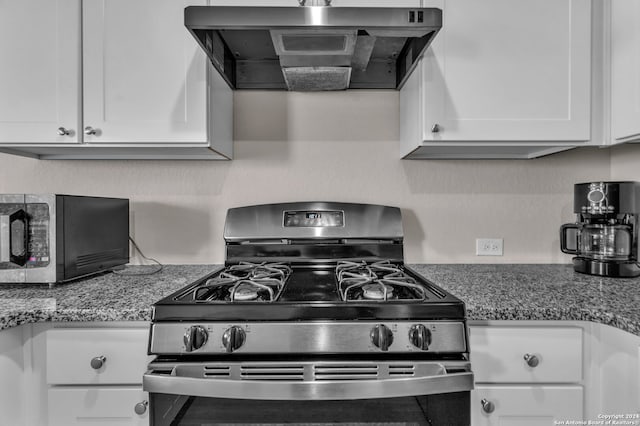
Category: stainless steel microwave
<point>51,238</point>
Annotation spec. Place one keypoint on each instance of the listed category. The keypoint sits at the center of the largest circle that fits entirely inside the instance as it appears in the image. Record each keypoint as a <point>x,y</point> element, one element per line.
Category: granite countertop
<point>105,297</point>
<point>490,292</point>
<point>539,292</point>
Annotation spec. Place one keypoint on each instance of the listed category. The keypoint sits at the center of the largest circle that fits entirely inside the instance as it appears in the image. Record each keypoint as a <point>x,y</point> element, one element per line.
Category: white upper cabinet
<point>625,70</point>
<point>375,3</point>
<point>144,75</point>
<point>39,71</point>
<point>337,3</point>
<point>116,79</point>
<point>502,79</point>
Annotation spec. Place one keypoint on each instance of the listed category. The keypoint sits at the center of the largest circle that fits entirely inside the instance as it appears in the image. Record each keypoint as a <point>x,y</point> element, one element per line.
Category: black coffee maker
<point>605,235</point>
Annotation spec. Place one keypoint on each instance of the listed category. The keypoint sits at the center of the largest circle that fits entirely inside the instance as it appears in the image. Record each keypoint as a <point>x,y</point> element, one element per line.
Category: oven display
<point>313,218</point>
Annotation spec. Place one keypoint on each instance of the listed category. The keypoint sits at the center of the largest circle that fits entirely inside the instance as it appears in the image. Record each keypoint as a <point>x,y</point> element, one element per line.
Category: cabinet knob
<point>487,406</point>
<point>435,128</point>
<point>141,407</point>
<point>98,362</point>
<point>64,132</point>
<point>532,360</point>
<point>89,131</point>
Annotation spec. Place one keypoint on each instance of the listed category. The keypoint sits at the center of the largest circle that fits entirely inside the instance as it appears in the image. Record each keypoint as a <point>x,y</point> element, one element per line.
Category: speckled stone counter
<point>491,292</point>
<point>106,297</point>
<point>539,292</point>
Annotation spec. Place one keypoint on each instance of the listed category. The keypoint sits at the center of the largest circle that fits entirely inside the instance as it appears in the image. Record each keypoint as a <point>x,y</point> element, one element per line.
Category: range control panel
<point>309,337</point>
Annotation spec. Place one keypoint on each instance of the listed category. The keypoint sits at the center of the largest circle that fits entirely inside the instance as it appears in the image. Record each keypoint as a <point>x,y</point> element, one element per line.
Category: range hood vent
<point>313,48</point>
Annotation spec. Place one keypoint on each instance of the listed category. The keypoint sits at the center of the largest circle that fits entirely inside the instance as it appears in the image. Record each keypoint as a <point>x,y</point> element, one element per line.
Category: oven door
<point>318,393</point>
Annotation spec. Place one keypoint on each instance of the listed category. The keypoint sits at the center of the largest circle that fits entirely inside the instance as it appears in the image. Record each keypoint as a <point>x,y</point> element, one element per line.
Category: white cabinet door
<point>338,3</point>
<point>376,3</point>
<point>625,70</point>
<point>13,404</point>
<point>96,356</point>
<point>509,70</point>
<point>144,75</point>
<point>114,406</point>
<point>525,405</point>
<point>255,3</point>
<point>39,71</point>
<point>526,354</point>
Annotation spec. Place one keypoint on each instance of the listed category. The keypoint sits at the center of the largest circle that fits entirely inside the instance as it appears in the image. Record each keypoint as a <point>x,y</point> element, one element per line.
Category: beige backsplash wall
<point>625,162</point>
<point>331,146</point>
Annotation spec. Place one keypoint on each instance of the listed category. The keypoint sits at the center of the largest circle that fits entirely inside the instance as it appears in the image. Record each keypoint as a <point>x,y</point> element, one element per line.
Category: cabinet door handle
<point>435,128</point>
<point>98,362</point>
<point>90,131</point>
<point>141,407</point>
<point>487,406</point>
<point>62,131</point>
<point>532,360</point>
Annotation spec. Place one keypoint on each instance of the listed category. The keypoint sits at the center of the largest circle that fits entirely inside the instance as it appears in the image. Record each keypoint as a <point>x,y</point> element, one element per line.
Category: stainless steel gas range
<point>314,319</point>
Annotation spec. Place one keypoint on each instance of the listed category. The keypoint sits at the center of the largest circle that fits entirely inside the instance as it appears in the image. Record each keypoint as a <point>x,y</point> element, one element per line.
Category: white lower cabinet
<point>96,356</point>
<point>525,405</point>
<point>94,375</point>
<point>526,375</point>
<point>117,406</point>
<point>526,355</point>
<point>12,371</point>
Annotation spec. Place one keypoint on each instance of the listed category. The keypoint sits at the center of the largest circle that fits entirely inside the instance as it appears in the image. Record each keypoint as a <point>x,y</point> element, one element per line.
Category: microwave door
<point>14,231</point>
<point>14,238</point>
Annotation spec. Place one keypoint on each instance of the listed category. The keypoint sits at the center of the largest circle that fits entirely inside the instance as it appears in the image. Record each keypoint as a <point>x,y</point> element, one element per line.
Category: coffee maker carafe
<point>605,235</point>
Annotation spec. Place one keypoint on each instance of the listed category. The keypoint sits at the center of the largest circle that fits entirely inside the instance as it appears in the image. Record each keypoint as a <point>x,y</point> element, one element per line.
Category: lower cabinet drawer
<point>113,406</point>
<point>526,354</point>
<point>96,356</point>
<point>526,405</point>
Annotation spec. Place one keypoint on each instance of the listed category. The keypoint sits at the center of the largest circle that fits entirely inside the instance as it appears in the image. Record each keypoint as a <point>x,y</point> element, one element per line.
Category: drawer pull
<point>532,360</point>
<point>141,407</point>
<point>487,406</point>
<point>98,362</point>
<point>62,131</point>
<point>90,131</point>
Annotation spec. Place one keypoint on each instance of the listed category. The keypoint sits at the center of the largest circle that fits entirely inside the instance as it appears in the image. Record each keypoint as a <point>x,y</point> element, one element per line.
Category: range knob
<point>195,338</point>
<point>233,338</point>
<point>381,337</point>
<point>420,336</point>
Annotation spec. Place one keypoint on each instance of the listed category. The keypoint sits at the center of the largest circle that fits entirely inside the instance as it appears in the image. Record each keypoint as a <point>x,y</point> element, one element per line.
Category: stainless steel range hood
<point>310,48</point>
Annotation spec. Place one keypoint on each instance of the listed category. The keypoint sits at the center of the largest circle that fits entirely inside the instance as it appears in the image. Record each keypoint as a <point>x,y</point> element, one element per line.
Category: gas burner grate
<point>245,282</point>
<point>378,281</point>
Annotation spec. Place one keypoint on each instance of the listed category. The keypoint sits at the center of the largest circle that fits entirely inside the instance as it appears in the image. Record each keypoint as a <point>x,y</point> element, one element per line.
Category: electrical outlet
<point>488,246</point>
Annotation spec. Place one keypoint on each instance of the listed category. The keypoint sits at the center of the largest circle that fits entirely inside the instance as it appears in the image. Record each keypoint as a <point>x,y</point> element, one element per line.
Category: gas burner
<point>245,292</point>
<point>247,270</point>
<point>378,281</point>
<point>377,291</point>
<point>245,282</point>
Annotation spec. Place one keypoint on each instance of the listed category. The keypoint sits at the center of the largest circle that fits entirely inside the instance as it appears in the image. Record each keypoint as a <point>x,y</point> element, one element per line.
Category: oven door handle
<point>307,390</point>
